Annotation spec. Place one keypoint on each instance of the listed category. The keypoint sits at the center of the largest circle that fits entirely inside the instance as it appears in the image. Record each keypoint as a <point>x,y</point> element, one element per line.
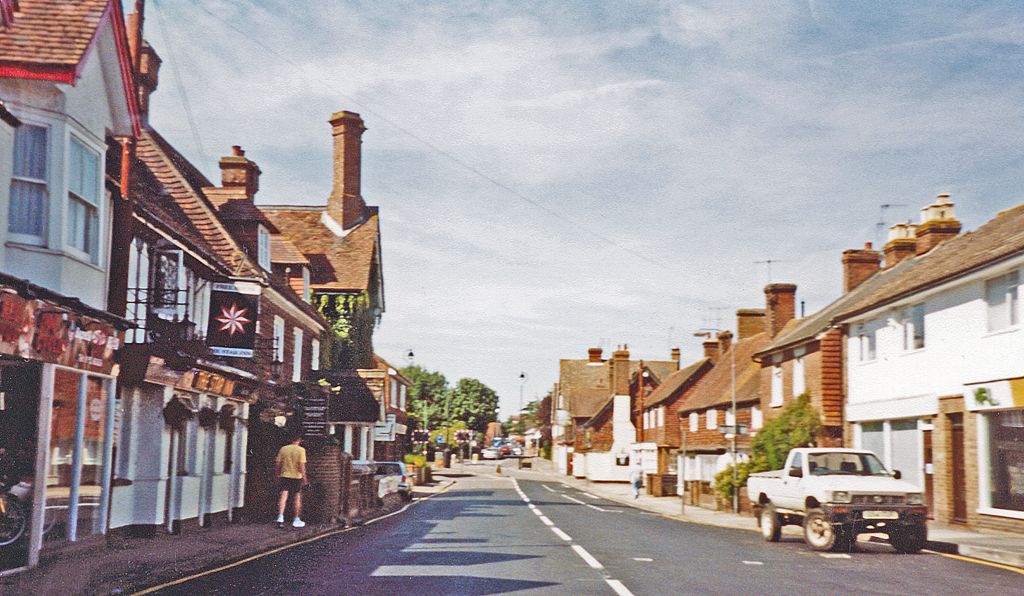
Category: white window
<point>393,397</point>
<point>297,356</point>
<point>29,194</point>
<point>305,283</point>
<point>278,339</point>
<point>1001,297</point>
<point>661,416</point>
<point>776,397</point>
<point>913,328</point>
<point>83,199</point>
<point>314,354</point>
<point>401,397</point>
<point>756,418</point>
<point>867,345</point>
<point>263,247</point>
<point>799,380</point>
<point>729,418</point>
<point>694,421</point>
<point>712,421</point>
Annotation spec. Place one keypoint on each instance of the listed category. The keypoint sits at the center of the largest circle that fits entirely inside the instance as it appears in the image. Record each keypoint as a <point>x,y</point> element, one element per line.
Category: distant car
<point>505,450</point>
<point>517,451</point>
<point>490,453</point>
<point>396,468</point>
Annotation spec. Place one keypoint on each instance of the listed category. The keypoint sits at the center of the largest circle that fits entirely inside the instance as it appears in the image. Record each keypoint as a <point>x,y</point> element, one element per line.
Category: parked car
<point>517,451</point>
<point>392,469</point>
<point>837,494</point>
<point>505,450</point>
<point>490,453</point>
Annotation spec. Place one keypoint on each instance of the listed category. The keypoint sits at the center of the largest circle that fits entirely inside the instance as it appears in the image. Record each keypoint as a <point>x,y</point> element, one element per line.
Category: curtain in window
<point>28,188</point>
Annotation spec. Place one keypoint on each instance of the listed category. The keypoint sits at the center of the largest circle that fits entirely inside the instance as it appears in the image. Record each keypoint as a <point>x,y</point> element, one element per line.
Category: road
<point>497,535</point>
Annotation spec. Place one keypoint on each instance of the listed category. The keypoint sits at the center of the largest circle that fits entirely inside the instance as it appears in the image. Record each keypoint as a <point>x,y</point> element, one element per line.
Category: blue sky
<point>677,143</point>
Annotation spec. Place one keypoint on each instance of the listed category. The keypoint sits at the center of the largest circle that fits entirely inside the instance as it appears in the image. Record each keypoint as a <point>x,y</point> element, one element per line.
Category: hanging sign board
<point>314,419</point>
<point>231,329</point>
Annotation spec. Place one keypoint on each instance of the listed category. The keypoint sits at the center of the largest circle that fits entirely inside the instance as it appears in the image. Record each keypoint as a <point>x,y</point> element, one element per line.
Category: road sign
<point>729,429</point>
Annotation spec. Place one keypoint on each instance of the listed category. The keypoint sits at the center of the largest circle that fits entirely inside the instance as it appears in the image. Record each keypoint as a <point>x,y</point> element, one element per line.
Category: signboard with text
<point>314,409</point>
<point>231,329</point>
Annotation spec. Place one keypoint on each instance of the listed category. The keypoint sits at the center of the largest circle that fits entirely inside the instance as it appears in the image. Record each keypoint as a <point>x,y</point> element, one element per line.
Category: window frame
<point>712,419</point>
<point>776,398</point>
<point>278,339</point>
<point>297,336</point>
<point>263,247</point>
<point>314,354</point>
<point>694,422</point>
<point>22,237</point>
<point>1010,299</point>
<point>799,372</point>
<point>93,233</point>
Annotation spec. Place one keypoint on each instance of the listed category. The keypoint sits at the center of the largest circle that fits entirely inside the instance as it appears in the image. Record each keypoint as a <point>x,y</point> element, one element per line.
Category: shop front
<point>998,407</point>
<point>57,378</point>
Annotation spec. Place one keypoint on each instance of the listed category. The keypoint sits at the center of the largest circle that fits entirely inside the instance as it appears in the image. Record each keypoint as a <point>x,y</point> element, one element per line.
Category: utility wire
<point>189,116</point>
<point>450,156</point>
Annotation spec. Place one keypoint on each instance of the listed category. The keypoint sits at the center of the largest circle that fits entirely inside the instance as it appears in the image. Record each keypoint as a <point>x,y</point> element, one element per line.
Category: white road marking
<point>589,558</point>
<point>561,534</point>
<point>532,506</point>
<point>537,512</point>
<point>574,500</point>
<point>835,555</point>
<point>620,589</point>
<point>648,559</point>
<point>548,488</point>
<point>547,522</point>
<point>596,508</point>
<point>753,562</point>
<point>592,496</point>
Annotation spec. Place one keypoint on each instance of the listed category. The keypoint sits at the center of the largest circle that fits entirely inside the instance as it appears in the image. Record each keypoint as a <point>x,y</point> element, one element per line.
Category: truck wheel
<point>909,539</point>
<point>771,525</point>
<point>819,533</point>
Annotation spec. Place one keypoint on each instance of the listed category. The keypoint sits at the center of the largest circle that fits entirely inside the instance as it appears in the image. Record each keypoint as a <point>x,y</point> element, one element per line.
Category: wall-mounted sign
<point>231,329</point>
<point>314,414</point>
<point>40,330</point>
<point>994,395</point>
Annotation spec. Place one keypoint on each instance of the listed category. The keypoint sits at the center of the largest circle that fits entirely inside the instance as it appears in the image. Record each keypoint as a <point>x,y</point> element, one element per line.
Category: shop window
<point>1001,298</point>
<point>872,438</point>
<point>1006,459</point>
<point>83,199</point>
<point>29,194</point>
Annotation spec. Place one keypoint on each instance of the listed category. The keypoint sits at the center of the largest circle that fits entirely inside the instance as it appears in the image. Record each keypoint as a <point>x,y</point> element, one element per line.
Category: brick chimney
<point>346,205</point>
<point>594,355</point>
<point>780,306</point>
<point>938,224</point>
<point>902,244</point>
<point>237,171</point>
<point>858,265</point>
<point>620,371</point>
<point>724,342</point>
<point>711,351</point>
<point>749,322</point>
<point>145,61</point>
<point>676,357</point>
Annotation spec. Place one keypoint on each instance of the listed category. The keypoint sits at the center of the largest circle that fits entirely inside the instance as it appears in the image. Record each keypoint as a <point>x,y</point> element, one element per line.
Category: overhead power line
<point>431,146</point>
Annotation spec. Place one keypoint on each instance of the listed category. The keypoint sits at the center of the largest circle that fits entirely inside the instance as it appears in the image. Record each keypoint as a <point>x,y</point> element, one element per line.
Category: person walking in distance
<point>636,479</point>
<point>291,474</point>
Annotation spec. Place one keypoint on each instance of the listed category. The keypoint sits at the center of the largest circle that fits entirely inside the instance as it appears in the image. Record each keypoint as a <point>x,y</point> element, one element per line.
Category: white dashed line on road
<point>547,522</point>
<point>647,559</point>
<point>561,534</point>
<point>753,562</point>
<point>537,512</point>
<point>596,498</point>
<point>835,555</point>
<point>589,558</point>
<point>620,589</point>
<point>548,488</point>
<point>574,500</point>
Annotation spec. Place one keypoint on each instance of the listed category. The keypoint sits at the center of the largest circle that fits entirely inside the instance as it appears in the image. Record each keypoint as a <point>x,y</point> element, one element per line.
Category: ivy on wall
<point>352,318</point>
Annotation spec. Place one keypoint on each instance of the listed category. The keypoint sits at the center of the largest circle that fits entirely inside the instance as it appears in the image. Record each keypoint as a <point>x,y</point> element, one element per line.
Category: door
<point>959,477</point>
<point>929,484</point>
<point>790,495</point>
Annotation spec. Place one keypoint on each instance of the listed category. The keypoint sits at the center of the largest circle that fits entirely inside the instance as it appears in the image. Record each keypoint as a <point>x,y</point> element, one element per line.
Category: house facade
<point>934,377</point>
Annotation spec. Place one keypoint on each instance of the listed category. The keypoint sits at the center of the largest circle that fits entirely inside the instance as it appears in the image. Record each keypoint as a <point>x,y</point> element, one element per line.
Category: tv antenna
<point>881,225</point>
<point>768,263</point>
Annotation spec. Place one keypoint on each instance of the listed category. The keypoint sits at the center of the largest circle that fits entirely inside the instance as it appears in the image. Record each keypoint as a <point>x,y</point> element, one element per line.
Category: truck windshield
<point>856,464</point>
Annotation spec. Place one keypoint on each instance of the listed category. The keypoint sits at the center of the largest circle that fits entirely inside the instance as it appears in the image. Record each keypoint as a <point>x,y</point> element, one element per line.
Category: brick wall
<point>705,436</point>
<point>823,381</point>
<point>265,341</point>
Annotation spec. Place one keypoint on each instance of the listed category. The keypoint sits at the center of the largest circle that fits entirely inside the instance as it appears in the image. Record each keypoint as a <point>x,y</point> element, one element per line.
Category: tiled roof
<point>341,263</point>
<point>999,238</point>
<point>675,381</point>
<point>584,385</point>
<point>51,32</point>
<point>183,183</point>
<point>716,387</point>
<point>233,204</point>
<point>283,250</point>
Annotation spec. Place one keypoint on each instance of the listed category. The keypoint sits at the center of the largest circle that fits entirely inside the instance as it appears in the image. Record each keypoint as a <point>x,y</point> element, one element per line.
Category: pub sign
<point>231,329</point>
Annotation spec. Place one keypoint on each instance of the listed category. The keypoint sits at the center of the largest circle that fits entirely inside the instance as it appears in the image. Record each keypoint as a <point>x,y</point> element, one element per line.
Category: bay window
<point>83,199</point>
<point>29,194</point>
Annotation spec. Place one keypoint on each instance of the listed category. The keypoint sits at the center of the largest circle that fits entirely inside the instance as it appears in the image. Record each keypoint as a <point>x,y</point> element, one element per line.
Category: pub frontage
<point>57,422</point>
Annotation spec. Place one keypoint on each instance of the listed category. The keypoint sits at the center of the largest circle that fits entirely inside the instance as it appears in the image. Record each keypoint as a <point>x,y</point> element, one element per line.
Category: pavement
<point>1002,548</point>
<point>519,533</point>
<point>130,564</point>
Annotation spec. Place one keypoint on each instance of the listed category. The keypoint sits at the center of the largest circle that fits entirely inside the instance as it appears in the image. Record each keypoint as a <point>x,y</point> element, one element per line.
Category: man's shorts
<point>292,485</point>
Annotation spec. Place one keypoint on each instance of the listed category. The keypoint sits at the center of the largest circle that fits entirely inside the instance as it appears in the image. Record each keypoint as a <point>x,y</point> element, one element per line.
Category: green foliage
<point>426,395</point>
<point>448,432</point>
<point>352,319</point>
<point>473,403</point>
<point>797,426</point>
<point>415,460</point>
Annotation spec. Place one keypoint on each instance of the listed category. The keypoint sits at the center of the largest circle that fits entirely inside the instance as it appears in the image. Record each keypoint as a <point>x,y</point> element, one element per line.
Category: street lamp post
<point>522,382</point>
<point>706,332</point>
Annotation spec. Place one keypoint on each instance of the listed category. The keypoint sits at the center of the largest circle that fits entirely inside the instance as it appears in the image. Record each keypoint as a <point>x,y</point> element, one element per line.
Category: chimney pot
<point>676,356</point>
<point>594,355</point>
<point>711,351</point>
<point>901,245</point>
<point>938,224</point>
<point>724,342</point>
<point>236,170</point>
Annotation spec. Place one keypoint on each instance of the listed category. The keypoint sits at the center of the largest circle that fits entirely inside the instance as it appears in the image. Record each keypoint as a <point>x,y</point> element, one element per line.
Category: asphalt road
<point>496,535</point>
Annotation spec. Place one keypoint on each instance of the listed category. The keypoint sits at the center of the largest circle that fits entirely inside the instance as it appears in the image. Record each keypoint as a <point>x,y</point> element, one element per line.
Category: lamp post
<point>522,383</point>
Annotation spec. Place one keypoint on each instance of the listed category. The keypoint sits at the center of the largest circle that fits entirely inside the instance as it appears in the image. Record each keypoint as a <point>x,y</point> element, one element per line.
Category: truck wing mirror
<point>796,472</point>
<point>896,474</point>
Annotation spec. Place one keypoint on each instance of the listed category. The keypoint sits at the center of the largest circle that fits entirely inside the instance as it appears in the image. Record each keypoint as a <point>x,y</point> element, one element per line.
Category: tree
<point>427,395</point>
<point>473,403</point>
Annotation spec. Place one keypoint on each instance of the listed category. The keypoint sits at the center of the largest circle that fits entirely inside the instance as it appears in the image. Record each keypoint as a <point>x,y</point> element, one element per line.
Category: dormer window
<point>263,247</point>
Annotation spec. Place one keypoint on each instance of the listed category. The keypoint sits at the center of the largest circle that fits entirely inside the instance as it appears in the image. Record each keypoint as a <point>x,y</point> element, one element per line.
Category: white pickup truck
<point>836,494</point>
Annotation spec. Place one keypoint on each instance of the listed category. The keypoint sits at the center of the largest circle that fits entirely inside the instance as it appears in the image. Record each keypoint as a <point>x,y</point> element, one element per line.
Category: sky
<point>558,175</point>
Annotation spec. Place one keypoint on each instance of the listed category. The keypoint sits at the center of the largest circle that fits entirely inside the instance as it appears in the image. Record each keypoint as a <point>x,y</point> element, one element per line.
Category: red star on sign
<point>233,319</point>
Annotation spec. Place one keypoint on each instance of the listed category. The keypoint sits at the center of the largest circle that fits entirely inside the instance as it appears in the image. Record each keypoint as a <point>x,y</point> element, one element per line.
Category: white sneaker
<point>298,523</point>
<point>280,519</point>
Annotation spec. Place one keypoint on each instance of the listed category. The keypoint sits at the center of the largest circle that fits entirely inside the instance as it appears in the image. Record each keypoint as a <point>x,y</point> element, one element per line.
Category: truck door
<point>792,475</point>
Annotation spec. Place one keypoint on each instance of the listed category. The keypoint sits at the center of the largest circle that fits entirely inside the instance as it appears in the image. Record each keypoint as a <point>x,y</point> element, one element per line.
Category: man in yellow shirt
<point>291,474</point>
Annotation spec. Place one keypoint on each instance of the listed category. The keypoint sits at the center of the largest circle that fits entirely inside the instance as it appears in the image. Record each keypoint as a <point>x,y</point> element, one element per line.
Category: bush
<point>415,460</point>
<point>723,480</point>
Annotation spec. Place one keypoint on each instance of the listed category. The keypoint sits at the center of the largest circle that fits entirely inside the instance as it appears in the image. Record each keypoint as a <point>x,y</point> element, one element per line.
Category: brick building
<point>658,412</point>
